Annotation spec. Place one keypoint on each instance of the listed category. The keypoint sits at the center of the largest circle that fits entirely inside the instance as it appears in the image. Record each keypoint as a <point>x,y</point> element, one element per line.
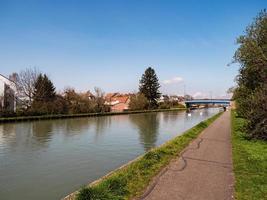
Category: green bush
<point>138,102</point>
<point>96,193</point>
<point>113,188</point>
<point>164,105</point>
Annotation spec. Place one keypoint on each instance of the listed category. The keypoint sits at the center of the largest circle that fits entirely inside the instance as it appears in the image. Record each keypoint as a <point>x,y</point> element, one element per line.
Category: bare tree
<point>99,93</point>
<point>99,100</point>
<point>25,81</point>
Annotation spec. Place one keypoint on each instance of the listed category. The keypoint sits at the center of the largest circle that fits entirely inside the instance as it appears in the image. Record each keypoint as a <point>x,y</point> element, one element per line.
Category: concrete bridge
<point>196,102</point>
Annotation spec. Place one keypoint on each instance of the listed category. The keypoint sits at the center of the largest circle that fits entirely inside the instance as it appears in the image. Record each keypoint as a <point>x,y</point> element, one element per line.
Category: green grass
<point>250,163</point>
<point>62,116</point>
<point>131,180</point>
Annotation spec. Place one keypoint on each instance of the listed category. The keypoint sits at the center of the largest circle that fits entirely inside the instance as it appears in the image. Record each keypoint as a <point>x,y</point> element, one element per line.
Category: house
<point>176,98</point>
<point>163,98</point>
<point>117,102</point>
<point>171,98</point>
<point>7,94</point>
<point>109,96</point>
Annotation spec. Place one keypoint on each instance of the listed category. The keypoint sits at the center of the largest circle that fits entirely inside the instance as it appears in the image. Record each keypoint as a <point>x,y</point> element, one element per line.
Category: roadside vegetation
<point>250,162</point>
<point>250,94</point>
<point>131,180</point>
<point>249,120</point>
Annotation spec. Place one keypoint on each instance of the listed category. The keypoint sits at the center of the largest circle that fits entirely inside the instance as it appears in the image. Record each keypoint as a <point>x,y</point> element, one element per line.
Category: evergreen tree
<point>44,89</point>
<point>149,86</point>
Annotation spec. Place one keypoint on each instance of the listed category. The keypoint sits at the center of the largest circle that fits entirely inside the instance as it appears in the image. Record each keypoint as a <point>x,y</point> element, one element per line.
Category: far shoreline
<point>4,120</point>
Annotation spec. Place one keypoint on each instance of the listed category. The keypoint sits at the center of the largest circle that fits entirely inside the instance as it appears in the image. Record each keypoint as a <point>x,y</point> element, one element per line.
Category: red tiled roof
<point>110,95</point>
<point>120,99</point>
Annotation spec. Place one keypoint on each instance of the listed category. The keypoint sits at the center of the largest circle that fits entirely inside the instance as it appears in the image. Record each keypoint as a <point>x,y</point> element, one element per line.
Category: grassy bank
<point>250,163</point>
<point>62,116</point>
<point>131,180</point>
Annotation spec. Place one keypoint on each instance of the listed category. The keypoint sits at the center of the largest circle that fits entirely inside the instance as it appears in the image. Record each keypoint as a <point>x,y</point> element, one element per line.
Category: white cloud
<point>173,80</point>
<point>198,94</point>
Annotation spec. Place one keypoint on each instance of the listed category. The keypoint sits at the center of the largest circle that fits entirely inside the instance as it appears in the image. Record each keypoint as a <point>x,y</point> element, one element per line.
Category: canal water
<point>49,159</point>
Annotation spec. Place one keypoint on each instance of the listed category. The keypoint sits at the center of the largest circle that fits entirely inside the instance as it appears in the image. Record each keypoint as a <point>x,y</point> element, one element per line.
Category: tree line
<point>37,96</point>
<point>250,94</point>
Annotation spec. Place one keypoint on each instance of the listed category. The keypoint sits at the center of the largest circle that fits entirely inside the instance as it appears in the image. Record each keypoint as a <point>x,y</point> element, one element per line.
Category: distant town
<point>18,94</point>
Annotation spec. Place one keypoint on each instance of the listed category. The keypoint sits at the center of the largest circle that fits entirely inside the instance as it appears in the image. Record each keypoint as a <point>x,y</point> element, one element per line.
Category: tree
<point>188,97</point>
<point>149,86</point>
<point>231,90</point>
<point>99,101</point>
<point>25,82</point>
<point>251,91</point>
<point>44,89</point>
<point>138,102</point>
<point>77,102</point>
<point>73,101</point>
<point>44,96</point>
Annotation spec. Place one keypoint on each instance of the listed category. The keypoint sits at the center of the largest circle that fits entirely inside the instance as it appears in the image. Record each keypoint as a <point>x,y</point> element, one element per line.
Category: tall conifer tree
<point>44,89</point>
<point>149,86</point>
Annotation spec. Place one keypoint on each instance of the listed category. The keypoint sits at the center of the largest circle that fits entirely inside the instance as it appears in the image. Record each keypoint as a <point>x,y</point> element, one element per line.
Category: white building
<point>7,94</point>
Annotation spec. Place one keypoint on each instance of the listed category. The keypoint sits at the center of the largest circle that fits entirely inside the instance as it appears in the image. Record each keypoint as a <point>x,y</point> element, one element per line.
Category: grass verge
<point>131,180</point>
<point>250,163</point>
<point>62,116</point>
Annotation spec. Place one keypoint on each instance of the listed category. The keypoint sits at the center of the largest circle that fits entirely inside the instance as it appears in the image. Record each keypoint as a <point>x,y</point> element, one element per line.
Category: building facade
<point>117,102</point>
<point>7,94</point>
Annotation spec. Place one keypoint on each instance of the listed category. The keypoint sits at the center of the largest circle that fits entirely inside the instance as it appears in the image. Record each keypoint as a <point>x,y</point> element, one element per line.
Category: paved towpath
<point>203,171</point>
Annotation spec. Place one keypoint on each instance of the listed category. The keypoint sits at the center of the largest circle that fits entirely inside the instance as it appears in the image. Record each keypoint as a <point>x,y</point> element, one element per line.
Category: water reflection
<point>73,127</point>
<point>101,124</point>
<point>64,154</point>
<point>7,130</point>
<point>7,133</point>
<point>42,131</point>
<point>171,117</point>
<point>148,127</point>
<point>205,112</point>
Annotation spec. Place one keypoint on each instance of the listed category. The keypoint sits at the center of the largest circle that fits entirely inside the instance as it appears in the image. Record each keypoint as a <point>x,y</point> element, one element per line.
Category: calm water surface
<point>47,160</point>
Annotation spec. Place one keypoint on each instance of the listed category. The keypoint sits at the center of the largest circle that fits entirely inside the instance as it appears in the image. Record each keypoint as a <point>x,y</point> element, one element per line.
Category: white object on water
<point>201,113</point>
<point>189,114</point>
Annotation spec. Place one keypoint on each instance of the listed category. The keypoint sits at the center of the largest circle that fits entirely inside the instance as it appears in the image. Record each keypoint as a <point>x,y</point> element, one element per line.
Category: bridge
<point>224,102</point>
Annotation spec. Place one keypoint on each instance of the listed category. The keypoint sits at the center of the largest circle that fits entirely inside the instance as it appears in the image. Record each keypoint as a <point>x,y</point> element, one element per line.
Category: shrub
<point>138,102</point>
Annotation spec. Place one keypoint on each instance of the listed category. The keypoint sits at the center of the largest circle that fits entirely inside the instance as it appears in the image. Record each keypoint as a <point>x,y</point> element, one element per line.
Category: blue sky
<point>109,43</point>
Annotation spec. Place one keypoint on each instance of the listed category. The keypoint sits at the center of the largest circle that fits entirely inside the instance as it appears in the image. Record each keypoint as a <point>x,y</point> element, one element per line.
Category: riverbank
<point>250,163</point>
<point>130,180</point>
<point>64,116</point>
